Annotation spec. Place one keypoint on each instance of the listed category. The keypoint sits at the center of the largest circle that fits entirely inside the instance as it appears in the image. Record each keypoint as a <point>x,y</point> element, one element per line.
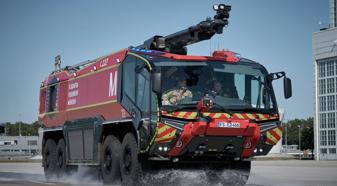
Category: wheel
<point>61,157</point>
<point>49,159</point>
<point>129,163</point>
<point>111,151</point>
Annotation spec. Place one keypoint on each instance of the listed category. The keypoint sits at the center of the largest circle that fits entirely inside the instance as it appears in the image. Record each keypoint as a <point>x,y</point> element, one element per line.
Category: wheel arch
<point>118,128</point>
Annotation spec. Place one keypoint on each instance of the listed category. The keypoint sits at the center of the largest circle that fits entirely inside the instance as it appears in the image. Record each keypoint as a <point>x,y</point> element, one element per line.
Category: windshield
<point>236,86</point>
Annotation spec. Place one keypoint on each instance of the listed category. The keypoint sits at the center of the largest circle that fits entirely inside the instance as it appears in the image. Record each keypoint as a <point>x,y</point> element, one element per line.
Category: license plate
<point>228,125</point>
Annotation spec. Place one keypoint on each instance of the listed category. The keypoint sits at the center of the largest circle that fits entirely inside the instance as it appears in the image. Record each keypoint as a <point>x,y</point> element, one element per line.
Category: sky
<point>277,34</point>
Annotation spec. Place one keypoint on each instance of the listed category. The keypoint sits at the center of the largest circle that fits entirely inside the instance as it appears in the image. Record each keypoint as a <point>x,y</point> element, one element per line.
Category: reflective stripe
<point>217,115</point>
<point>250,116</point>
<point>181,114</point>
<point>278,131</point>
<point>206,114</point>
<point>239,116</point>
<point>162,129</point>
<point>271,138</point>
<point>193,115</point>
<point>169,135</point>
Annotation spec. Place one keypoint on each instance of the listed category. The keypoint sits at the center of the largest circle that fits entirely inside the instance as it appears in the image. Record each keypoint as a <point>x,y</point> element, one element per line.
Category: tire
<point>49,159</point>
<point>61,157</point>
<point>129,163</point>
<point>111,151</point>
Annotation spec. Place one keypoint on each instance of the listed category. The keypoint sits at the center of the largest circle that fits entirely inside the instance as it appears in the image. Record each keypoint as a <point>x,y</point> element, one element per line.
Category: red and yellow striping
<point>165,133</point>
<point>274,135</point>
<point>193,115</point>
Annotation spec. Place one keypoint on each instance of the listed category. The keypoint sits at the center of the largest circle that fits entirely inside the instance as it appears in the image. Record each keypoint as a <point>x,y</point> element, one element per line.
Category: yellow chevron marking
<point>217,115</point>
<point>181,114</point>
<point>272,138</point>
<point>261,117</point>
<point>162,129</point>
<point>239,116</point>
<point>169,135</point>
<point>227,115</point>
<point>207,114</point>
<point>250,116</point>
<point>193,115</point>
<point>278,132</point>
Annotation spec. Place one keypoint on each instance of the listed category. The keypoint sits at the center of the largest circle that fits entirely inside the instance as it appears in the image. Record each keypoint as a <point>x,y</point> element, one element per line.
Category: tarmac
<point>263,173</point>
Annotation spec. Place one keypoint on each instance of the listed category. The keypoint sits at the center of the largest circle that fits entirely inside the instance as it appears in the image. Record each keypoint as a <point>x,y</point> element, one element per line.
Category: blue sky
<point>275,33</point>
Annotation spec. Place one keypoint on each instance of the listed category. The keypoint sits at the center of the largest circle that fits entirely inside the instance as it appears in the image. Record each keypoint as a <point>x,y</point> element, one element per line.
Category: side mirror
<point>287,87</point>
<point>156,81</point>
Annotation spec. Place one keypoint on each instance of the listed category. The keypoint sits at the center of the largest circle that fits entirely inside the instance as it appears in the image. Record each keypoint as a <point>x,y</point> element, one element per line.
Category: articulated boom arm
<point>177,42</point>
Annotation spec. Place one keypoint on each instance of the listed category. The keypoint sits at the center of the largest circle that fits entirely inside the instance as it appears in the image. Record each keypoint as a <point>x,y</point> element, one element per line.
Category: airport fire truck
<point>154,106</point>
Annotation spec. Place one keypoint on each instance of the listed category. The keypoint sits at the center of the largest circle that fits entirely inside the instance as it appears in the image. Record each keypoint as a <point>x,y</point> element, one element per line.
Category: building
<point>325,76</point>
<point>19,145</point>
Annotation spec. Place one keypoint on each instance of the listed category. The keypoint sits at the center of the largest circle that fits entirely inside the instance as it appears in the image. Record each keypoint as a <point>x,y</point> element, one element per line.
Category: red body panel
<point>89,92</point>
<point>249,130</point>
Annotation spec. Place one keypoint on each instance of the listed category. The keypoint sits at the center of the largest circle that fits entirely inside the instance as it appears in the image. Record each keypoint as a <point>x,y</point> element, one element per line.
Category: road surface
<point>263,173</point>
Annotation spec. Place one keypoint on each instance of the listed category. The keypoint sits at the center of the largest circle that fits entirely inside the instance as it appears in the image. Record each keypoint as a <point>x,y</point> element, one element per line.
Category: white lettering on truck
<point>113,84</point>
<point>72,93</point>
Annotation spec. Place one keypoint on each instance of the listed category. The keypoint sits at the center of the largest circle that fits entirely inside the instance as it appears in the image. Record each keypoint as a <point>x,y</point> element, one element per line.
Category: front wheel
<point>129,163</point>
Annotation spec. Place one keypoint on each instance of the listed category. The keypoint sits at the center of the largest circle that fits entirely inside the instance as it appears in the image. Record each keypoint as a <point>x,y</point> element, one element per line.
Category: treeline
<point>27,129</point>
<point>296,128</point>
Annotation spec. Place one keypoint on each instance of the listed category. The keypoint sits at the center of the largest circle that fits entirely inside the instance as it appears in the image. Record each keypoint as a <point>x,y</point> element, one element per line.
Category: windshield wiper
<point>222,108</point>
<point>174,108</point>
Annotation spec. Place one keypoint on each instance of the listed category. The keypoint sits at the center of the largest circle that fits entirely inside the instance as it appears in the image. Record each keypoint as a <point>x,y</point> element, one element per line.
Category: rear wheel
<point>129,163</point>
<point>111,151</point>
<point>61,158</point>
<point>50,159</point>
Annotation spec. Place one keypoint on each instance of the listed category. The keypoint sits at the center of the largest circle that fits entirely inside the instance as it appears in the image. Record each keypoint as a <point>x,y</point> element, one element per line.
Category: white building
<point>325,77</point>
<point>19,145</point>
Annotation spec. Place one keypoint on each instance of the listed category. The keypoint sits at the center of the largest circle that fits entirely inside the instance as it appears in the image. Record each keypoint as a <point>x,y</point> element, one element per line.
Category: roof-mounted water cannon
<point>205,30</point>
<point>57,62</point>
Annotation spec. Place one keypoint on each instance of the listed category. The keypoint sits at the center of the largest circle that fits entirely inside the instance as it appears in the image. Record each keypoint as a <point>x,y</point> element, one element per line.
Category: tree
<point>307,132</point>
<point>27,129</point>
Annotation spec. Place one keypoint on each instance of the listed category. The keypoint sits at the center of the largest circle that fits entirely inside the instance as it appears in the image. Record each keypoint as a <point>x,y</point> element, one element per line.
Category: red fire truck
<point>154,106</point>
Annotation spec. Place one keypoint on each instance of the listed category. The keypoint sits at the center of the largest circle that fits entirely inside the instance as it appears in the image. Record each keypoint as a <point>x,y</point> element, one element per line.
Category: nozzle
<point>222,11</point>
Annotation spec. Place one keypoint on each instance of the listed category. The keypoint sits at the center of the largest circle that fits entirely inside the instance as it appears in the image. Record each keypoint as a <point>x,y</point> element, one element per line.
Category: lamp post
<point>299,138</point>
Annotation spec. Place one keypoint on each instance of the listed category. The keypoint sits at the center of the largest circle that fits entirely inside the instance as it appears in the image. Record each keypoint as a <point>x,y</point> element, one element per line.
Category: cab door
<point>136,95</point>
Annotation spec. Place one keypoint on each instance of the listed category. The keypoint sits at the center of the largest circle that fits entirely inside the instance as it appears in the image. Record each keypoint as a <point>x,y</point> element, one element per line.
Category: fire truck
<point>153,106</point>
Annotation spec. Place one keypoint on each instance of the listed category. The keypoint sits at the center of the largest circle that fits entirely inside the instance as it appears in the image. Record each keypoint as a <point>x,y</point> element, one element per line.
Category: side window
<point>239,81</point>
<point>52,98</point>
<point>129,77</point>
<point>143,88</point>
<point>43,94</point>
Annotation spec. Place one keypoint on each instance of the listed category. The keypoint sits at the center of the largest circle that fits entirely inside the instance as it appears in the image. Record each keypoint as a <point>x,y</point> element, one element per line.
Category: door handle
<point>133,112</point>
